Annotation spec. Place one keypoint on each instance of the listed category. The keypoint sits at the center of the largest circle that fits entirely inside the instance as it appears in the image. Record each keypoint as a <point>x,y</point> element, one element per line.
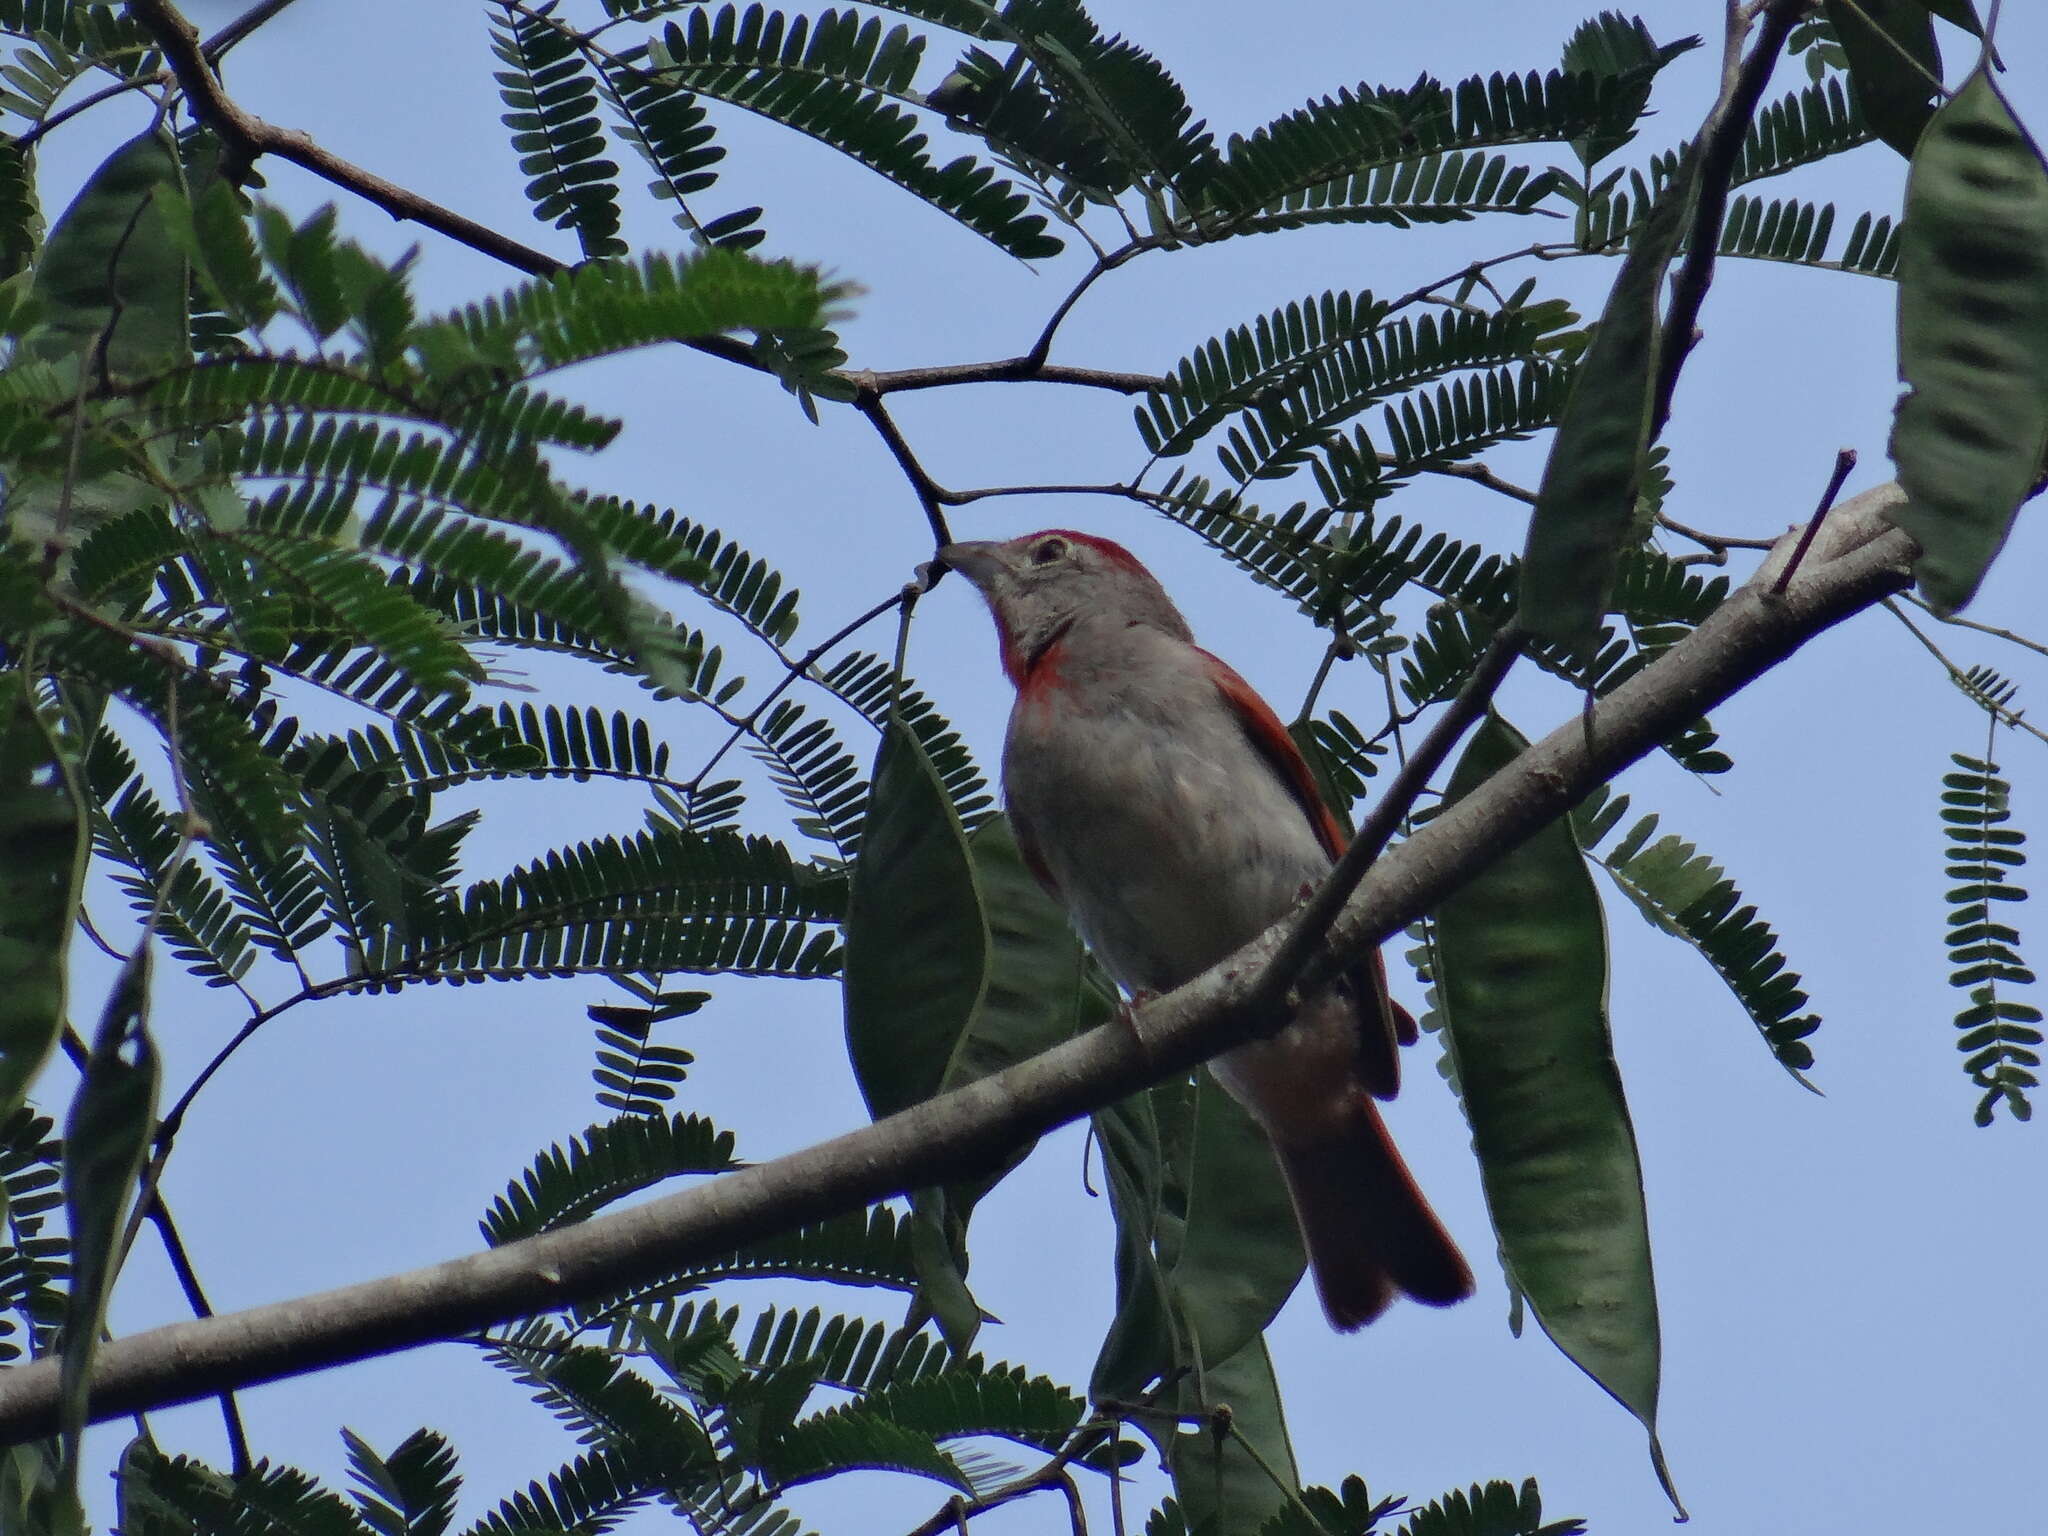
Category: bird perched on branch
<point>1163,804</point>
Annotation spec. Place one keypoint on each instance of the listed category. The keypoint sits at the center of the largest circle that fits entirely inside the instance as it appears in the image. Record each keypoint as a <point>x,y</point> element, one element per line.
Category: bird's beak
<point>979,560</point>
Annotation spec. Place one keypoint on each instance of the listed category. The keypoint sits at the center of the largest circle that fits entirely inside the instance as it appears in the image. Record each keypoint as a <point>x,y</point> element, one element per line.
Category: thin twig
<point>238,30</point>
<point>1116,1477</point>
<point>964,498</point>
<point>1478,474</point>
<point>1716,543</point>
<point>2009,717</point>
<point>1297,959</point>
<point>791,672</point>
<point>1041,349</point>
<point>950,1515</point>
<point>1934,81</point>
<point>1959,622</point>
<point>1542,250</point>
<point>168,1127</point>
<point>1845,460</point>
<point>1008,370</point>
<point>64,114</point>
<point>245,137</point>
<point>1718,145</point>
<point>930,494</point>
<point>1341,648</point>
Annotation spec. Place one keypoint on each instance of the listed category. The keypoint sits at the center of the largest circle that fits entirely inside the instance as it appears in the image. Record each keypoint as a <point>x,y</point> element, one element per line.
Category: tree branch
<point>1749,634</point>
<point>1008,370</point>
<point>1298,954</point>
<point>1720,142</point>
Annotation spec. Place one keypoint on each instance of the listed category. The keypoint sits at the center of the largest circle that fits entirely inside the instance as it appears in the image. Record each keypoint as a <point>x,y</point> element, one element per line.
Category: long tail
<point>1370,1234</point>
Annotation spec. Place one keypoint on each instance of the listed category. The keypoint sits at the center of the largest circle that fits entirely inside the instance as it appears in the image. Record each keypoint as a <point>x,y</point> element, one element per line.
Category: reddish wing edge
<point>1027,847</point>
<point>1379,1054</point>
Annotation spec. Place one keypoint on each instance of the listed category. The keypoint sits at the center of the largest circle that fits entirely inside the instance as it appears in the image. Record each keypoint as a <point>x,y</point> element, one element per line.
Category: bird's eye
<point>1046,551</point>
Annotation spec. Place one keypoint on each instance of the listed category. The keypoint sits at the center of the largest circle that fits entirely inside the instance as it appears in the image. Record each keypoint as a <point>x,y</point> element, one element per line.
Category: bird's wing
<point>1379,1056</point>
<point>1027,846</point>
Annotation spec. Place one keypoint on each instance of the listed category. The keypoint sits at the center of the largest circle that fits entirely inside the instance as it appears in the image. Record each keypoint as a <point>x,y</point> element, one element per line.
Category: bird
<point>1161,802</point>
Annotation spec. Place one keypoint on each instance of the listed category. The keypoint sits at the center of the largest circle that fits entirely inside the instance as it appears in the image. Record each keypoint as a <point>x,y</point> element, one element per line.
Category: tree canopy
<point>343,664</point>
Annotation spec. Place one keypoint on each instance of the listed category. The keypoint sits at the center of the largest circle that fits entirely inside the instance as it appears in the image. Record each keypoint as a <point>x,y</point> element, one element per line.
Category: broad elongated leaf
<point>916,943</point>
<point>1522,953</point>
<point>1230,1475</point>
<point>1585,505</point>
<point>1207,1246</point>
<point>1240,1255</point>
<point>1894,65</point>
<point>39,866</point>
<point>111,1122</point>
<point>111,271</point>
<point>1144,1336</point>
<point>957,966</point>
<point>1972,435</point>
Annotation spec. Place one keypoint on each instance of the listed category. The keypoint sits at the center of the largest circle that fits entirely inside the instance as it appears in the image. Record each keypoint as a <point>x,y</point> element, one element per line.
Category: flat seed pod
<point>1522,983</point>
<point>1971,437</point>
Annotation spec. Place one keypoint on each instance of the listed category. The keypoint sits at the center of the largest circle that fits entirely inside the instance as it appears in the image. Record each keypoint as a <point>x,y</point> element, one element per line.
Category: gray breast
<point>1172,840</point>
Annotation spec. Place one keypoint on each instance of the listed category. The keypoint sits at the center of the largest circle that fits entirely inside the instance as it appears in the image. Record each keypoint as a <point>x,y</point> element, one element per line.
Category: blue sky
<point>1850,1331</point>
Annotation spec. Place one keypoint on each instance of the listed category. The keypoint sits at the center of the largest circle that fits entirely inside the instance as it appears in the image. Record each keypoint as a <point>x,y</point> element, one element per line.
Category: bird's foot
<point>1127,1011</point>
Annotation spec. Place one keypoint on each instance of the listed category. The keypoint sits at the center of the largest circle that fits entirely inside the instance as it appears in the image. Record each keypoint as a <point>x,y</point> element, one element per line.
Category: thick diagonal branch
<point>1750,634</point>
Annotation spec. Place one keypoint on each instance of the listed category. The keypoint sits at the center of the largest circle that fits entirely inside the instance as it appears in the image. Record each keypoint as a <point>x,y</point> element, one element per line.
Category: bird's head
<point>1043,584</point>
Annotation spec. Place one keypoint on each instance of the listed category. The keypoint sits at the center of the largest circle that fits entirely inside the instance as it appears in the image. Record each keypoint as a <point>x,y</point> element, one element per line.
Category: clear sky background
<point>1853,1339</point>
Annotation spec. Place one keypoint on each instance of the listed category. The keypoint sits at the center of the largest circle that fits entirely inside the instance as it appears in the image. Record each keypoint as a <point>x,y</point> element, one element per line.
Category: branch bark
<point>1852,567</point>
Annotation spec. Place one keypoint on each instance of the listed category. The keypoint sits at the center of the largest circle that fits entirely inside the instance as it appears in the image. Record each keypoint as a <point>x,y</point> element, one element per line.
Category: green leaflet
<point>1230,1480</point>
<point>1999,1032</point>
<point>1688,895</point>
<point>957,966</point>
<point>550,90</point>
<point>40,864</point>
<point>214,236</point>
<point>1586,504</point>
<point>31,1498</point>
<point>1522,982</point>
<point>411,1492</point>
<point>111,1122</point>
<point>1894,65</point>
<point>108,249</point>
<point>1970,436</point>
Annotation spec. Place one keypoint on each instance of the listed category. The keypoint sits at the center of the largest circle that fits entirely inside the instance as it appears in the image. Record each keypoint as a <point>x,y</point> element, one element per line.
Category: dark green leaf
<point>916,943</point>
<point>111,273</point>
<point>957,965</point>
<point>1207,1246</point>
<point>1240,1254</point>
<point>39,866</point>
<point>1972,435</point>
<point>1586,505</point>
<point>1522,952</point>
<point>111,1122</point>
<point>1231,1473</point>
<point>1894,65</point>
